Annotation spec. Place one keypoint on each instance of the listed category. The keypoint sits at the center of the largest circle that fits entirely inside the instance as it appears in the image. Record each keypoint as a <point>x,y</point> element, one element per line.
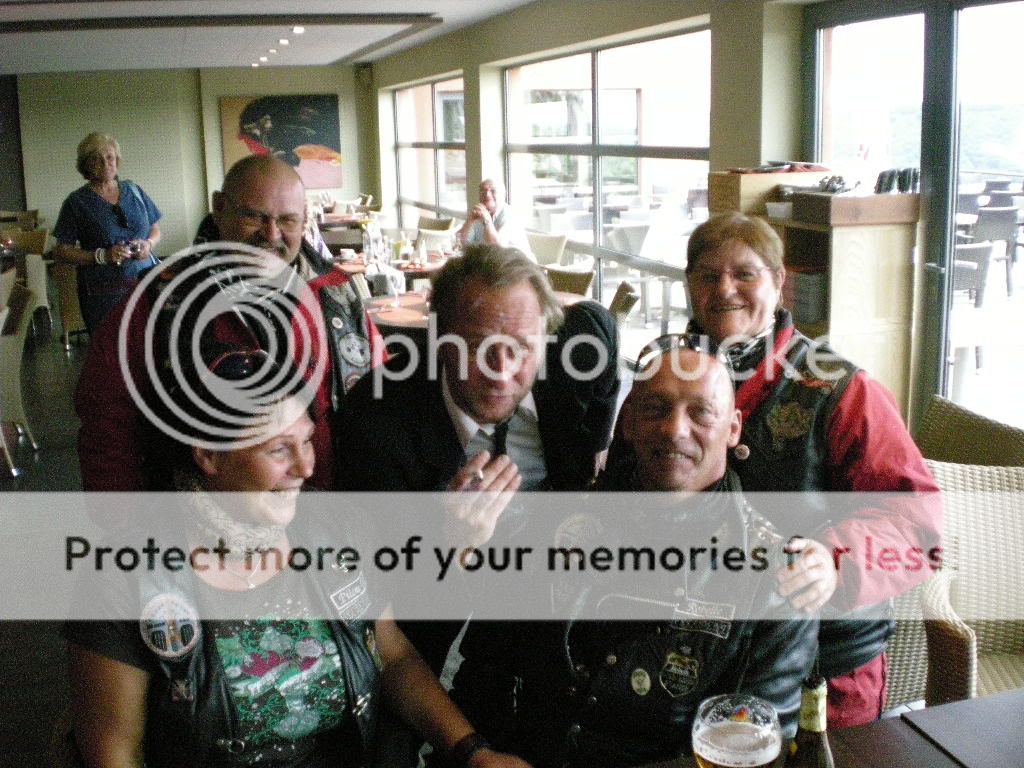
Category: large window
<point>610,147</point>
<point>871,102</point>
<point>903,83</point>
<point>430,148</point>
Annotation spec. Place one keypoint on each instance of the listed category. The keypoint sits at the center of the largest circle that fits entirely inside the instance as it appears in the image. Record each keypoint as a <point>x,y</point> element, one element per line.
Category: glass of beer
<point>736,731</point>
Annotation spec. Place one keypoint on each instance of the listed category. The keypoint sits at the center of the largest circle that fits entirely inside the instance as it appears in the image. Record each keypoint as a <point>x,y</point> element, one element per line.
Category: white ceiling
<point>49,36</point>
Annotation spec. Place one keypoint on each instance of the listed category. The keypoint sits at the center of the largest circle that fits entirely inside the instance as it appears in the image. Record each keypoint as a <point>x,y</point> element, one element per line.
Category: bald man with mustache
<point>261,204</point>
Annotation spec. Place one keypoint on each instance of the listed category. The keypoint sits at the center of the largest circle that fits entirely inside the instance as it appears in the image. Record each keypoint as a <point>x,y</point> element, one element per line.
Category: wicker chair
<point>949,432</point>
<point>973,607</point>
<point>623,301</point>
<point>570,281</point>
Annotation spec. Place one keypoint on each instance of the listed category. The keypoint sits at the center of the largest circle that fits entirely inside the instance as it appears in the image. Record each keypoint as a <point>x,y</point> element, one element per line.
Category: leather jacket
<point>619,693</point>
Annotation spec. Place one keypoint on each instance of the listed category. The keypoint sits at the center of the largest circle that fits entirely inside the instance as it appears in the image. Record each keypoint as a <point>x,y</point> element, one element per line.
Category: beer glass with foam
<point>736,731</point>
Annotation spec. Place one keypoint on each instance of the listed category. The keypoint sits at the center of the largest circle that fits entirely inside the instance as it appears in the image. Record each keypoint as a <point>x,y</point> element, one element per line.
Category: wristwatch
<point>467,746</point>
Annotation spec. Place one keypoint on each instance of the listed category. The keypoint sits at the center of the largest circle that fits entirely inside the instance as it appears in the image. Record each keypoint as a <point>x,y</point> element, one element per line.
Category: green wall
<point>168,125</point>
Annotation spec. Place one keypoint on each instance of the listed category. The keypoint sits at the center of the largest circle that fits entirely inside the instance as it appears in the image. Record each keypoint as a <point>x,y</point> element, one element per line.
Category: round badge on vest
<point>354,349</point>
<point>169,626</point>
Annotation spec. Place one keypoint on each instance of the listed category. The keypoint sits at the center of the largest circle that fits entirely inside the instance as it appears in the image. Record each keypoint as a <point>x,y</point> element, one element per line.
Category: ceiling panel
<point>51,36</point>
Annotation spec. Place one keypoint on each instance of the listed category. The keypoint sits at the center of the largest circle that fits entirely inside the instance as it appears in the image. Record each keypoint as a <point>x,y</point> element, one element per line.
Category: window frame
<point>939,133</point>
<point>595,151</point>
<point>437,147</point>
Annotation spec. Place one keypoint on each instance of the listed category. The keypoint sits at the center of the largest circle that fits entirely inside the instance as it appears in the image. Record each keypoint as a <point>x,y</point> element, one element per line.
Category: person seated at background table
<point>290,688</point>
<point>622,692</point>
<point>108,228</point>
<point>824,425</point>
<point>261,205</point>
<point>495,421</point>
<point>493,221</point>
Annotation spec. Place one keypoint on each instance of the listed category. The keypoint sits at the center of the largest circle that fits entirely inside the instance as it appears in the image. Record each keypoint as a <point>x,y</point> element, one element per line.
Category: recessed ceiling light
<point>254,64</point>
<point>283,41</point>
<point>273,50</point>
<point>263,58</point>
<point>298,30</point>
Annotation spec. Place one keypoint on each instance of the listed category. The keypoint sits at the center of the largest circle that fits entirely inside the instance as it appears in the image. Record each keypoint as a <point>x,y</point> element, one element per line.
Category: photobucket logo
<point>495,357</point>
<point>180,304</point>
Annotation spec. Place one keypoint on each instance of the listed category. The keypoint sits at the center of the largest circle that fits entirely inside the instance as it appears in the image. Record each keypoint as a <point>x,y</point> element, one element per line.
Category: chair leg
<point>1009,276</point>
<point>977,358</point>
<point>15,472</point>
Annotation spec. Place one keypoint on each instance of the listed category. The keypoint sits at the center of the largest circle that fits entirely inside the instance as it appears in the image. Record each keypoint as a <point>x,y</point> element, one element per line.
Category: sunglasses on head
<point>122,217</point>
<point>239,364</point>
<point>672,342</point>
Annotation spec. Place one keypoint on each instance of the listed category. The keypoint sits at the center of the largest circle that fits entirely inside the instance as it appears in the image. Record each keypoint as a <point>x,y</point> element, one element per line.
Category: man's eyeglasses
<point>122,217</point>
<point>289,223</point>
<point>742,275</point>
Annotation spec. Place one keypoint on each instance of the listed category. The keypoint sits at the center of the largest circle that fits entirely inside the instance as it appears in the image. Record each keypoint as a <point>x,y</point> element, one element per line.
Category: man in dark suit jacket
<point>515,393</point>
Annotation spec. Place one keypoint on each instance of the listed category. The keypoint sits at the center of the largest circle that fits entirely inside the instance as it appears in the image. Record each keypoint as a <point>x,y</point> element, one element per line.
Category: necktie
<point>500,436</point>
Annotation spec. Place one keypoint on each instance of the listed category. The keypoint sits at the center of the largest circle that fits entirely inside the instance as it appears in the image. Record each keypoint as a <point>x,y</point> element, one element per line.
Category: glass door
<point>985,343</point>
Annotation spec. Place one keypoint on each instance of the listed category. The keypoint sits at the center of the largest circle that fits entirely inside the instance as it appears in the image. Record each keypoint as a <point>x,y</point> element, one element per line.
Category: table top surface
<point>408,311</point>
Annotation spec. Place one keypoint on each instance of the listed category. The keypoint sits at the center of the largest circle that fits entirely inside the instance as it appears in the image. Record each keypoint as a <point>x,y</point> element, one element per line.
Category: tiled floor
<point>32,669</point>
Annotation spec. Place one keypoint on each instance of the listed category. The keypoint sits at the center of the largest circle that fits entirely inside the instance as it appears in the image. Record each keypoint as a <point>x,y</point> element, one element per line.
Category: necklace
<point>241,575</point>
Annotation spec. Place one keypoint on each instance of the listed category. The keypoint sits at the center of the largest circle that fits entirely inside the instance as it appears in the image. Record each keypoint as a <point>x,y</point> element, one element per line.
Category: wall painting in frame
<point>304,131</point>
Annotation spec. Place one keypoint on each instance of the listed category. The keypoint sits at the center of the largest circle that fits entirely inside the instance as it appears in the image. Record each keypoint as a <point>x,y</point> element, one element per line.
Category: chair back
<point>570,281</point>
<point>967,202</point>
<point>997,224</point>
<point>623,301</point>
<point>437,241</point>
<point>548,249</point>
<point>435,224</point>
<point>970,268</point>
<point>66,278</point>
<point>993,185</point>
<point>29,242</point>
<point>951,433</point>
<point>7,280</point>
<point>35,280</point>
<point>26,220</point>
<point>365,198</point>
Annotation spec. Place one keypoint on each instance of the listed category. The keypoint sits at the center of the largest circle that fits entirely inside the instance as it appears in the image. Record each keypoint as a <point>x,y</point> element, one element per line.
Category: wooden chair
<point>25,220</point>
<point>66,278</point>
<point>951,433</point>
<point>12,346</point>
<point>29,242</point>
<point>548,249</point>
<point>972,607</point>
<point>570,281</point>
<point>35,281</point>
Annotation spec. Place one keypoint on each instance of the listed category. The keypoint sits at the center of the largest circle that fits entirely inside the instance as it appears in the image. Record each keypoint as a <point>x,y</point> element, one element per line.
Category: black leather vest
<point>191,718</point>
<point>788,440</point>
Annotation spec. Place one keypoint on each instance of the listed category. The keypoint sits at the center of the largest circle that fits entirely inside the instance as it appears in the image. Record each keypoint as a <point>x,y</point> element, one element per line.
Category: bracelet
<point>100,256</point>
<point>467,746</point>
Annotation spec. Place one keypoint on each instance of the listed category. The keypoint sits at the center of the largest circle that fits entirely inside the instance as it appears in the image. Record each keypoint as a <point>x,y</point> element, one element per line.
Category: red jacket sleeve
<point>111,433</point>
<point>891,541</point>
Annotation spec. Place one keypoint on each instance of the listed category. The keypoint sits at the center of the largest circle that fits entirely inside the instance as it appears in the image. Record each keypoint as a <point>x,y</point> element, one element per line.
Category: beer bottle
<point>810,749</point>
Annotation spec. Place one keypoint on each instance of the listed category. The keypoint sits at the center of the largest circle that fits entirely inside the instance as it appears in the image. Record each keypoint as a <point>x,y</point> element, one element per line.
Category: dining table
<point>983,732</point>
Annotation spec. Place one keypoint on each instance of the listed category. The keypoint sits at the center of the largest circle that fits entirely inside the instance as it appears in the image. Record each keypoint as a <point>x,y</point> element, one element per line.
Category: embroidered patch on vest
<point>352,600</point>
<point>679,675</point>
<point>789,421</point>
<point>169,625</point>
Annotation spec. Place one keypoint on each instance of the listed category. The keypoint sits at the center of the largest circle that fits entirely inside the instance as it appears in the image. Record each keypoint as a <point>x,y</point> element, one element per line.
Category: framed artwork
<point>304,131</point>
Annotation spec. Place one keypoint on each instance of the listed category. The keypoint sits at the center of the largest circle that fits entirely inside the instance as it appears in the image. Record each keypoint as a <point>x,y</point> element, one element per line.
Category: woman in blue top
<point>107,228</point>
